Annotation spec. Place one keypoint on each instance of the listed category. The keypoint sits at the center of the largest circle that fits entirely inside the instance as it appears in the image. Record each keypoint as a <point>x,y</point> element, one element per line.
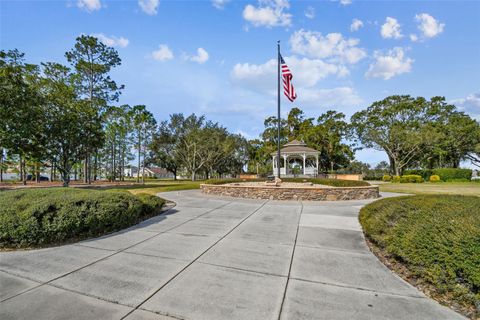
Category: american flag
<point>288,88</point>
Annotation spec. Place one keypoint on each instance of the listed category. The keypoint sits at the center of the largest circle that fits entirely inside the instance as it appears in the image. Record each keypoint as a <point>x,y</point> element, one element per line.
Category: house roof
<point>296,146</point>
<point>157,170</point>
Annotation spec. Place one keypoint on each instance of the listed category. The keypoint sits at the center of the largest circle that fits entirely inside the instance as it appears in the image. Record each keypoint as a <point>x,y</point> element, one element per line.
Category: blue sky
<point>215,57</point>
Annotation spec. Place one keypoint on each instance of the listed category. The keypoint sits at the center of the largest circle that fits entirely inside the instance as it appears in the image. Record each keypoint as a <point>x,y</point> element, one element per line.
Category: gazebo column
<point>285,163</point>
<point>304,157</point>
<point>316,165</point>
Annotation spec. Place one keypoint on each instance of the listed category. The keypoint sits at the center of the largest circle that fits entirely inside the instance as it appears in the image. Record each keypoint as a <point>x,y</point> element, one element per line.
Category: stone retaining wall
<point>286,193</point>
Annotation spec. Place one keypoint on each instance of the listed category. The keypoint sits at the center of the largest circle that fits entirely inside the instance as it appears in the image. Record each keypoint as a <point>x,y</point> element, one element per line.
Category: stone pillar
<point>304,157</point>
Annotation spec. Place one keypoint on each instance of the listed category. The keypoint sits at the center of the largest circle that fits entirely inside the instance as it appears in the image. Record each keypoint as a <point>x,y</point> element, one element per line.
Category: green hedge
<point>411,178</point>
<point>33,217</point>
<point>435,237</point>
<point>327,182</point>
<point>425,173</point>
<point>447,174</point>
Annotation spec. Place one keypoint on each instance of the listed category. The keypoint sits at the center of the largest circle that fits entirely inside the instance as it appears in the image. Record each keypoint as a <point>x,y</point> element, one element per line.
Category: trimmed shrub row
<point>435,236</point>
<point>33,217</point>
<point>445,174</point>
<point>410,178</point>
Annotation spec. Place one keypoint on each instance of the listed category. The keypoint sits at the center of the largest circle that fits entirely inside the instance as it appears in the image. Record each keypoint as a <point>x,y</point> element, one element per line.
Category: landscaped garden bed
<point>433,242</point>
<point>40,217</point>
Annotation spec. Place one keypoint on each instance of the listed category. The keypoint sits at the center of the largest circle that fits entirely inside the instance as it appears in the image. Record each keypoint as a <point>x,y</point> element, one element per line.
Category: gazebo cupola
<point>296,154</point>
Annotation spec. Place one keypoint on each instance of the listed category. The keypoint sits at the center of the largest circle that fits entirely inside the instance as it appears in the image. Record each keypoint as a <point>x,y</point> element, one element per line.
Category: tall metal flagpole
<point>278,113</point>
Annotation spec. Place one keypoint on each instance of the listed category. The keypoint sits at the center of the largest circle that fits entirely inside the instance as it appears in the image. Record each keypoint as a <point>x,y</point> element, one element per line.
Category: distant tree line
<point>415,133</point>
<point>64,118</point>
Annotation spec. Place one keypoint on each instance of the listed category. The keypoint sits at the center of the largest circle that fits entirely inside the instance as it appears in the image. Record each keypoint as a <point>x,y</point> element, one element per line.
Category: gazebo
<point>296,154</point>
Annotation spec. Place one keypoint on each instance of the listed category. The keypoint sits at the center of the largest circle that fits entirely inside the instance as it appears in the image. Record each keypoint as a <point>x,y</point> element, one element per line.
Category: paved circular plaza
<point>216,258</point>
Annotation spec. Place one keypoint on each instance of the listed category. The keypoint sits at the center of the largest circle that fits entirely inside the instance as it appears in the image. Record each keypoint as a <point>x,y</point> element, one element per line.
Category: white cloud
<point>386,66</point>
<point>470,104</point>
<point>269,13</point>
<point>345,2</point>
<point>413,37</point>
<point>356,25</point>
<point>428,25</point>
<point>219,4</point>
<point>310,12</point>
<point>201,57</point>
<point>391,29</point>
<point>332,46</point>
<point>89,5</point>
<point>112,41</point>
<point>306,73</point>
<point>331,98</point>
<point>149,6</point>
<point>163,53</point>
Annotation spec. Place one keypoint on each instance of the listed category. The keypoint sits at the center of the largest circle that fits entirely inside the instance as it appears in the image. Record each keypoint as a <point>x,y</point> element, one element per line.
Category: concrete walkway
<point>216,258</point>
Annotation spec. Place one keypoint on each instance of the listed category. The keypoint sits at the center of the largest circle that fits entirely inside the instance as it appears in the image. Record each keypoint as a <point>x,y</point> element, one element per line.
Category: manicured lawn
<point>432,241</point>
<point>155,186</point>
<point>465,188</point>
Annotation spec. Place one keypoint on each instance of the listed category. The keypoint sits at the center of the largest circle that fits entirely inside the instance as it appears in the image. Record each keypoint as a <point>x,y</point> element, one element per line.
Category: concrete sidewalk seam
<point>359,288</point>
<point>193,261</point>
<point>241,269</point>
<point>106,257</point>
<point>291,262</point>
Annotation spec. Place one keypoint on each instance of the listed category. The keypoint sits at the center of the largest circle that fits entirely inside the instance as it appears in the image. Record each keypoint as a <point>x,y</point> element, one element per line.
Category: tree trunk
<point>51,171</point>
<point>397,170</point>
<point>85,170</point>
<point>66,179</point>
<point>65,173</point>
<point>138,148</point>
<point>95,164</point>
<point>20,168</point>
<point>37,172</point>
<point>89,171</point>
<point>24,167</point>
<point>1,165</point>
<point>113,162</point>
<point>193,175</point>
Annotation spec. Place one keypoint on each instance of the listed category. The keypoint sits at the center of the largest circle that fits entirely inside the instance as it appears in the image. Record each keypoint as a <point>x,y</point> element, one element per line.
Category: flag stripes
<point>287,76</point>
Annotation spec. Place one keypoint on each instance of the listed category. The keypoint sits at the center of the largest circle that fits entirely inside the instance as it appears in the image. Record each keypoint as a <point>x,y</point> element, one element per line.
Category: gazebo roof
<point>296,146</point>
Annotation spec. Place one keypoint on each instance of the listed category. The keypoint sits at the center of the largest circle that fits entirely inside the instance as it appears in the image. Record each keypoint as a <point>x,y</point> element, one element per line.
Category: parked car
<point>32,178</point>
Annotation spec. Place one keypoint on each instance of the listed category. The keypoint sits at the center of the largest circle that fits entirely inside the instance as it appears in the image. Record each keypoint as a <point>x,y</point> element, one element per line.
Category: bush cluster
<point>327,182</point>
<point>435,237</point>
<point>411,178</point>
<point>425,173</point>
<point>387,178</point>
<point>445,174</point>
<point>449,174</point>
<point>434,178</point>
<point>33,217</point>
